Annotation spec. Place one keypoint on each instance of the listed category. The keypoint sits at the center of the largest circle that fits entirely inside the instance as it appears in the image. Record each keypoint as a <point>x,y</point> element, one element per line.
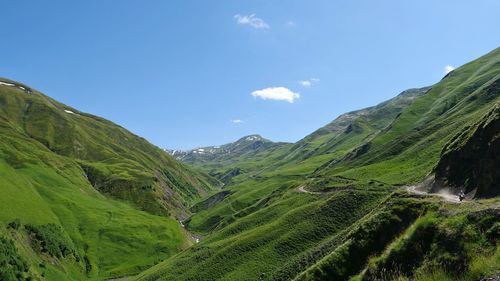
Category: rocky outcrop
<point>471,160</point>
<point>210,201</point>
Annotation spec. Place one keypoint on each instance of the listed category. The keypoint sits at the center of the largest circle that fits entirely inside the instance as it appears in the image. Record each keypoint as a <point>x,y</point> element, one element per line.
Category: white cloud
<point>290,23</point>
<point>276,93</point>
<point>448,69</point>
<point>236,121</point>
<point>252,21</point>
<point>305,83</point>
<point>308,83</point>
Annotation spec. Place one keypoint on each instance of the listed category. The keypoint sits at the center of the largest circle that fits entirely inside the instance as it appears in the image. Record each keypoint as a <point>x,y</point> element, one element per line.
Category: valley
<point>369,196</point>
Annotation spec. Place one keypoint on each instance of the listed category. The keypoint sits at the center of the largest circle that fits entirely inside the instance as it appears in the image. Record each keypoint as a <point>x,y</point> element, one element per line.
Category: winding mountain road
<point>303,190</point>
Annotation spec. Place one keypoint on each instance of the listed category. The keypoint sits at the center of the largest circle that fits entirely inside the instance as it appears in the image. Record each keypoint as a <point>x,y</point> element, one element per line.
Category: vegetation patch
<point>51,239</point>
<point>365,240</point>
<point>12,266</point>
<point>452,247</point>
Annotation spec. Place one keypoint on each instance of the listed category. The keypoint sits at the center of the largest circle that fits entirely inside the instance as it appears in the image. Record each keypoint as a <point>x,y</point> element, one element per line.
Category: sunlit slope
<point>408,149</point>
<point>283,228</point>
<point>344,235</point>
<point>337,138</point>
<point>413,238</point>
<point>403,152</point>
<point>111,238</point>
<point>260,174</point>
<point>115,161</point>
<point>332,141</point>
<point>298,161</point>
<point>65,179</point>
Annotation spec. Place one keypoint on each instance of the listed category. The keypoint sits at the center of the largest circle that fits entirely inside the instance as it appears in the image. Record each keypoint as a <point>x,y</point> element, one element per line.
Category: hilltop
<point>232,159</point>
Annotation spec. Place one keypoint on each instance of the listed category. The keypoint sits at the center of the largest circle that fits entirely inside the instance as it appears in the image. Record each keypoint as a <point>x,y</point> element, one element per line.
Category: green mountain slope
<point>330,143</point>
<point>115,161</point>
<point>338,137</point>
<point>62,172</point>
<point>292,161</point>
<point>409,148</point>
<point>333,210</point>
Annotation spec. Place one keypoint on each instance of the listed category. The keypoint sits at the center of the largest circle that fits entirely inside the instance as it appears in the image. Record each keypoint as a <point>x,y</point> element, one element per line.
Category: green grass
<point>366,239</point>
<point>260,242</point>
<point>394,144</point>
<point>116,238</point>
<point>50,239</point>
<point>12,265</point>
<point>88,195</point>
<point>408,149</point>
<point>91,200</point>
<point>116,161</point>
<point>451,245</point>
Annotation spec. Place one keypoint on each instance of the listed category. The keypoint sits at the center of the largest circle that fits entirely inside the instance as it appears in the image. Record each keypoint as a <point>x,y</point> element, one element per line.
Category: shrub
<point>15,224</point>
<point>12,266</point>
<point>52,240</point>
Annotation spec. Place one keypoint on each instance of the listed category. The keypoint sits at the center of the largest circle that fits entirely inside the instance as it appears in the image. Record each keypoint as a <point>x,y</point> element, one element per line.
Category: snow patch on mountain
<point>7,84</point>
<point>15,85</point>
<point>253,138</point>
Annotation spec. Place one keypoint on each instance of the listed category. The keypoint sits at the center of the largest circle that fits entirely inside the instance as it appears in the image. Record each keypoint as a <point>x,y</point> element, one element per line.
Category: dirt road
<point>302,188</point>
<point>443,194</point>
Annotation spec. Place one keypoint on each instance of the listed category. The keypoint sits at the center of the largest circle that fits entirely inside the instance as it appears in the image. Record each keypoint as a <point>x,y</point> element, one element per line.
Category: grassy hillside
<point>111,238</point>
<point>259,242</point>
<point>258,175</point>
<point>416,238</point>
<point>334,140</point>
<point>300,160</point>
<point>83,198</point>
<point>115,161</point>
<point>409,148</point>
<point>334,210</point>
<point>72,187</point>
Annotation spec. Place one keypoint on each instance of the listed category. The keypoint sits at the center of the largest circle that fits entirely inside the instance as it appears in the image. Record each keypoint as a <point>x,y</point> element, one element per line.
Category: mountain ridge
<point>251,143</point>
<point>93,141</point>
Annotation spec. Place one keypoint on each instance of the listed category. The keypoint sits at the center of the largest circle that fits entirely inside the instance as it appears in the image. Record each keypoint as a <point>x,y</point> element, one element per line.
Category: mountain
<point>115,161</point>
<point>245,147</point>
<point>338,137</point>
<point>332,140</point>
<point>229,160</point>
<point>361,122</point>
<point>369,196</point>
<point>83,197</point>
<point>409,148</point>
<point>339,204</point>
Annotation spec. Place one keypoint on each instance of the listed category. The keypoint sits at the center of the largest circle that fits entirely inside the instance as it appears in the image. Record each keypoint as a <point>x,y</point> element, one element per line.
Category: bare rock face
<point>471,160</point>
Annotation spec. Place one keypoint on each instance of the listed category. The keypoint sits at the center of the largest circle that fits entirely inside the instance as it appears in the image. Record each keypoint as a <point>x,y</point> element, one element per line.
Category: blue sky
<point>182,73</point>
